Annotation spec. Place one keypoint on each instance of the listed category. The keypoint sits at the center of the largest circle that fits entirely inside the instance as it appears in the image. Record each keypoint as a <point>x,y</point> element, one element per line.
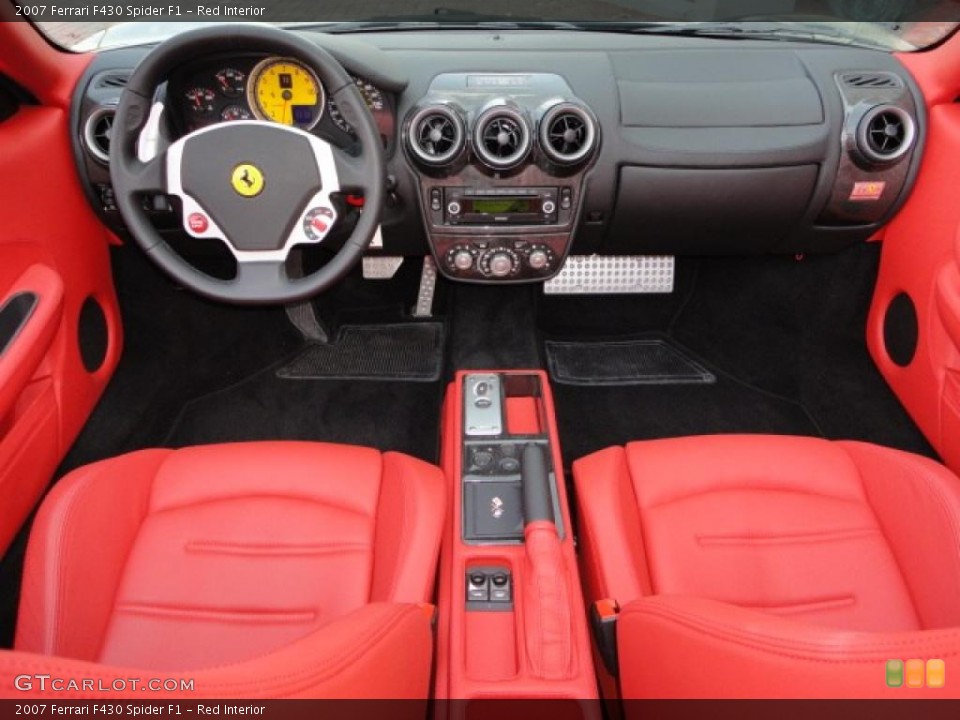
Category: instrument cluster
<point>281,90</point>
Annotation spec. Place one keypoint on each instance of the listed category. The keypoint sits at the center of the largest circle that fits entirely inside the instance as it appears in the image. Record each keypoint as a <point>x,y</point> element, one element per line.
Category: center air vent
<point>501,138</point>
<point>436,135</point>
<point>568,134</point>
<point>98,131</point>
<point>885,134</point>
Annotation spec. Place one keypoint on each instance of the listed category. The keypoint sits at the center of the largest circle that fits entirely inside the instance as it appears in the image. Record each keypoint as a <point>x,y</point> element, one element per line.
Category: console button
<point>549,207</point>
<point>509,465</point>
<point>482,458</point>
<point>566,198</point>
<point>453,208</point>
<point>436,202</point>
<point>477,588</point>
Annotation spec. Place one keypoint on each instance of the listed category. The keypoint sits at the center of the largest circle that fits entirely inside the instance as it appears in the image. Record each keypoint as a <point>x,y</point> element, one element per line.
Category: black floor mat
<point>592,418</point>
<point>409,351</point>
<point>401,416</point>
<point>643,361</point>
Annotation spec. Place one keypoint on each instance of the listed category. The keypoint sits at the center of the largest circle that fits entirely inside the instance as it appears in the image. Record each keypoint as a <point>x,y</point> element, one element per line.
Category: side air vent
<point>98,131</point>
<point>871,81</point>
<point>886,133</point>
<point>568,134</point>
<point>436,135</point>
<point>112,80</point>
<point>501,138</point>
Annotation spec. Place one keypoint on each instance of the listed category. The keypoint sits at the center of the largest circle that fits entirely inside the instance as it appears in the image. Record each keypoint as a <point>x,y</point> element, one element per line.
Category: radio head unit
<point>501,206</point>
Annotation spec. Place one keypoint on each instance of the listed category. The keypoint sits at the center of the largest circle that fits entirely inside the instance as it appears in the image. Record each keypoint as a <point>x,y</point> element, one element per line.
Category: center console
<point>512,621</point>
<point>501,161</point>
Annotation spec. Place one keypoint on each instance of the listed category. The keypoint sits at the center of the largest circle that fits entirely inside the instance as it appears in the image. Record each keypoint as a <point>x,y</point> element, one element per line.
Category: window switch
<point>478,587</point>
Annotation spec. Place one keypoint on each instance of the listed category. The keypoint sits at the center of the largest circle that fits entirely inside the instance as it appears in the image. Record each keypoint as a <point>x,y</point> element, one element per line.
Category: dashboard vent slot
<point>568,134</point>
<point>436,135</point>
<point>872,81</point>
<point>98,131</point>
<point>112,80</point>
<point>502,138</point>
<point>886,133</point>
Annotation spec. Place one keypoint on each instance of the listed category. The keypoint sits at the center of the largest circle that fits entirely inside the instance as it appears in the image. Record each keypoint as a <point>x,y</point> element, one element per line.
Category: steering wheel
<point>260,187</point>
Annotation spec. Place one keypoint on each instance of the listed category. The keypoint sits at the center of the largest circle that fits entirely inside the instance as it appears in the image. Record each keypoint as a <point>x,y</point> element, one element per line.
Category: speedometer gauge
<point>371,96</point>
<point>286,91</point>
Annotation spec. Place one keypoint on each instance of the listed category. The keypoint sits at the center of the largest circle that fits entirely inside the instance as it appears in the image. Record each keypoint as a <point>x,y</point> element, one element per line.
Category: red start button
<point>198,222</point>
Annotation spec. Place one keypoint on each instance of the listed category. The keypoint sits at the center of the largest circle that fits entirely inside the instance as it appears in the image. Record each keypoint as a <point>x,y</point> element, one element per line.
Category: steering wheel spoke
<point>148,177</point>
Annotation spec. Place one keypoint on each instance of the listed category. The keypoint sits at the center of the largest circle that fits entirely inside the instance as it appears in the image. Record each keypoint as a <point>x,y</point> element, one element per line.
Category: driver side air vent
<point>568,134</point>
<point>885,134</point>
<point>436,135</point>
<point>112,80</point>
<point>501,138</point>
<point>98,131</point>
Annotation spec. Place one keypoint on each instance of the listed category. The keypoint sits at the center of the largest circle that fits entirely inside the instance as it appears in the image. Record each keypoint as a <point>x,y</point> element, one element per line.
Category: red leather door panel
<point>51,244</point>
<point>920,260</point>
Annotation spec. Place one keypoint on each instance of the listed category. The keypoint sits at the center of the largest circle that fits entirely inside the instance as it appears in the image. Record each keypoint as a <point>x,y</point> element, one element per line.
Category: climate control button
<point>540,258</point>
<point>499,263</point>
<point>461,259</point>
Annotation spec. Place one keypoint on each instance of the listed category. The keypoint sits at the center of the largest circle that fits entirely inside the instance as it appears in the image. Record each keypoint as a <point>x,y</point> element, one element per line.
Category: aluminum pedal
<point>428,286</point>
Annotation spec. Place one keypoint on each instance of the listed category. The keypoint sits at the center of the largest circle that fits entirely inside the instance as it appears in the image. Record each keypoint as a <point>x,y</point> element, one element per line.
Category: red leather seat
<point>772,566</point>
<point>260,569</point>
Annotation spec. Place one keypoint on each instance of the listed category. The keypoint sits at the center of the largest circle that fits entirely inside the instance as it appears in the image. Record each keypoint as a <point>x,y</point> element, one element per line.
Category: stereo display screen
<point>503,206</point>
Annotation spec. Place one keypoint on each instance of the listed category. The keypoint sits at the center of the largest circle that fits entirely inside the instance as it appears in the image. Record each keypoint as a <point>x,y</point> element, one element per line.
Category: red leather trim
<point>177,560</point>
<point>467,669</point>
<point>682,647</point>
<point>26,57</point>
<point>919,259</point>
<point>549,625</point>
<point>23,356</point>
<point>409,520</point>
<point>523,416</point>
<point>769,558</point>
<point>377,651</point>
<point>47,222</point>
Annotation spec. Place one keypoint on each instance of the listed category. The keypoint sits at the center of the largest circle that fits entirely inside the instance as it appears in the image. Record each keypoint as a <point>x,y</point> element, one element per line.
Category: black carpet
<point>402,416</point>
<point>785,337</point>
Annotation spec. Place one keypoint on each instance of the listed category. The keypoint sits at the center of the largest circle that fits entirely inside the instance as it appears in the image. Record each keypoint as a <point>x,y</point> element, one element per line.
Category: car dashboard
<point>513,155</point>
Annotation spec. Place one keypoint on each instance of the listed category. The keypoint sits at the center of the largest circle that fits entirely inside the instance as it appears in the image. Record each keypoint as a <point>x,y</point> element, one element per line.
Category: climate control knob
<point>462,260</point>
<point>538,259</point>
<point>499,263</point>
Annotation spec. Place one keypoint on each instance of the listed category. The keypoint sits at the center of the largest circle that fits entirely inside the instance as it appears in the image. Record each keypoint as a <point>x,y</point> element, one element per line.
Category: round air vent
<point>568,134</point>
<point>97,132</point>
<point>886,133</point>
<point>501,138</point>
<point>436,135</point>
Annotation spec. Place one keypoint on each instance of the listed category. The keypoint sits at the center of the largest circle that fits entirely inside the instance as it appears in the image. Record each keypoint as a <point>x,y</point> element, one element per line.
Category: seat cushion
<point>771,567</point>
<point>175,560</point>
<point>836,534</point>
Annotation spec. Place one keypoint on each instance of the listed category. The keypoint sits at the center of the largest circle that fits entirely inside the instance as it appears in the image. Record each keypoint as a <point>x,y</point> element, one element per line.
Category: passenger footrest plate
<point>613,274</point>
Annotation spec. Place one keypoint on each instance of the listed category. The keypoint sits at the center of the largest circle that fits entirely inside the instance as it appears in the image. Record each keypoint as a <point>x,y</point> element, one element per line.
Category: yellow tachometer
<point>287,92</point>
